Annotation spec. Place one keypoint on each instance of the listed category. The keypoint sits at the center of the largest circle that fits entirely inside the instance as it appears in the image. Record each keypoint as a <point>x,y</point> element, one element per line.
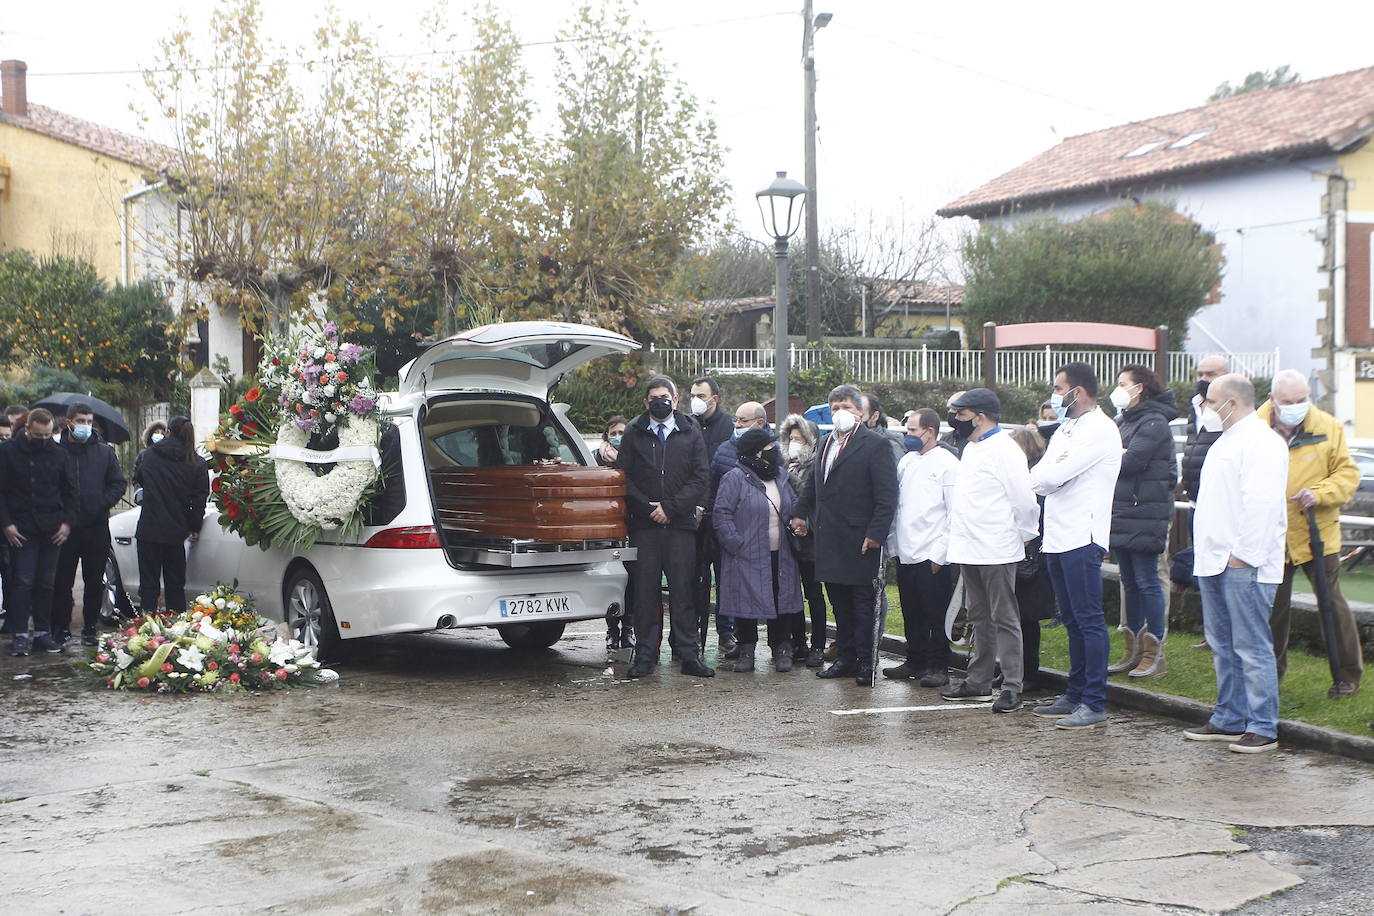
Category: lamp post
<point>813,270</point>
<point>781,205</point>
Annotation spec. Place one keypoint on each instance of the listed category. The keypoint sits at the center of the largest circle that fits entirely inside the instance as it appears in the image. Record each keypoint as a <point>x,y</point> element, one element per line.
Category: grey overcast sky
<point>918,102</point>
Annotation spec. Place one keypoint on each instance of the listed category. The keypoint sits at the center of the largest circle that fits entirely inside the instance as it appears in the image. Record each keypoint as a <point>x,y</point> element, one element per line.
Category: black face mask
<point>1202,386</point>
<point>1047,430</point>
<point>661,408</point>
<point>40,445</point>
<point>761,465</point>
<point>962,428</point>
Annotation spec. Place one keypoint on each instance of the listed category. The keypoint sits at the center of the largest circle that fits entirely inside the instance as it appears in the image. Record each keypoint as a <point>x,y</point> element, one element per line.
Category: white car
<point>404,573</point>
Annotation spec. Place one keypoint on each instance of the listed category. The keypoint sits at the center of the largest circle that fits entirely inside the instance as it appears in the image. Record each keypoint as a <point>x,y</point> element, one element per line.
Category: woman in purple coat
<point>758,571</point>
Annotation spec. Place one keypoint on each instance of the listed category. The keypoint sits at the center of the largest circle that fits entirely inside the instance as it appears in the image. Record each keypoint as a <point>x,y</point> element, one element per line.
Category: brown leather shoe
<point>1342,689</point>
<point>832,652</point>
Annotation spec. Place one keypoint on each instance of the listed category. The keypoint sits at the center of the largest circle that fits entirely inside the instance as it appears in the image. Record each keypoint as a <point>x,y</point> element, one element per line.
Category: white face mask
<point>1293,414</point>
<point>796,451</point>
<point>1120,398</point>
<point>844,421</point>
<point>698,406</point>
<point>1210,420</point>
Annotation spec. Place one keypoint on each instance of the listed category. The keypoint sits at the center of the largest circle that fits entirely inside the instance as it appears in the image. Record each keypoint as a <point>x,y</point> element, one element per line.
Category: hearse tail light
<point>421,537</point>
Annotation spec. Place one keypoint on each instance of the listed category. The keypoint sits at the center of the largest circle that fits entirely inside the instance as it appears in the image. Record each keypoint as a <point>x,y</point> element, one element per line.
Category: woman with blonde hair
<point>798,437</point>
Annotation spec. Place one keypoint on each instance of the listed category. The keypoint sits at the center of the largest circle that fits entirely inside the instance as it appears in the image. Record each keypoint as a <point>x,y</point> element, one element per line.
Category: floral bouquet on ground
<point>219,645</point>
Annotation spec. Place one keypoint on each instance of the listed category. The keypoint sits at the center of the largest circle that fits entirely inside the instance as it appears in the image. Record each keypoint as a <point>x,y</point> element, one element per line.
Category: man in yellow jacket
<point>1321,473</point>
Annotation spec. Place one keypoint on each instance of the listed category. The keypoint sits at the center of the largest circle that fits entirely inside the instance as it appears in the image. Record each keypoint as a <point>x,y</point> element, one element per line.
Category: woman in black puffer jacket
<point>1141,510</point>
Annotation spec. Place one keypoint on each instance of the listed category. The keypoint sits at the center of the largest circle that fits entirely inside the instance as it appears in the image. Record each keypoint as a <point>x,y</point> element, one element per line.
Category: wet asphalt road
<point>445,773</point>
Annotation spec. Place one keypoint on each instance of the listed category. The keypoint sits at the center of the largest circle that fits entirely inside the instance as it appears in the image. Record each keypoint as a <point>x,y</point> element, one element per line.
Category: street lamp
<point>781,205</point>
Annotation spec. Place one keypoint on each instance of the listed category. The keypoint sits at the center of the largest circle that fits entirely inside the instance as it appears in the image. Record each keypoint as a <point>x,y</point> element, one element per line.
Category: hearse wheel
<point>310,616</point>
<point>532,637</point>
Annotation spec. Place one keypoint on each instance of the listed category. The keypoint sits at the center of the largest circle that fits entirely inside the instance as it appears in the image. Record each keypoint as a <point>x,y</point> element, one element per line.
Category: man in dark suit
<point>663,456</point>
<point>849,501</point>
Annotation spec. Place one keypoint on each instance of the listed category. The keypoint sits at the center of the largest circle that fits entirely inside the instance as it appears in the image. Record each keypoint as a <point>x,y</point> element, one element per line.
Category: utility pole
<point>812,259</point>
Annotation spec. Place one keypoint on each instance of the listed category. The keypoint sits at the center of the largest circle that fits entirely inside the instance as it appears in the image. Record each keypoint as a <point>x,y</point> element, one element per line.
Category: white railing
<point>1014,367</point>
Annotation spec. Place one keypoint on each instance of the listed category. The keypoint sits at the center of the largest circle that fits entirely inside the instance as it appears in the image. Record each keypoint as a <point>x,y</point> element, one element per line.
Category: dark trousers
<point>6,582</point>
<point>33,567</point>
<point>165,564</point>
<point>708,561</point>
<point>671,552</point>
<point>88,545</point>
<point>925,599</point>
<point>815,606</point>
<point>620,630</point>
<point>1348,652</point>
<point>855,618</point>
<point>1077,578</point>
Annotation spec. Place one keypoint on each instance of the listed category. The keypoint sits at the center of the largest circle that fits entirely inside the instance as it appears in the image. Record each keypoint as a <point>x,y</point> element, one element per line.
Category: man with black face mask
<point>37,507</point>
<point>663,456</point>
<point>1200,437</point>
<point>958,434</point>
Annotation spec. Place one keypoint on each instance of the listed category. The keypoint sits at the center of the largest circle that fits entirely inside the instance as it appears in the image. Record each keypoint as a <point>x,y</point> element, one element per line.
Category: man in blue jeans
<point>1077,477</point>
<point>1238,556</point>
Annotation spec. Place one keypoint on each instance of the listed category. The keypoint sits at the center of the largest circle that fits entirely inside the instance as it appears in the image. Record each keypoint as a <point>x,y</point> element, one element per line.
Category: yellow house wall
<point>63,199</point>
<point>1359,167</point>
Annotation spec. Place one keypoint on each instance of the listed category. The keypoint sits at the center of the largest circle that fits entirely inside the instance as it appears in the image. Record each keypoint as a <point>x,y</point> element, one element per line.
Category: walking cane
<point>1323,590</point>
<point>879,613</point>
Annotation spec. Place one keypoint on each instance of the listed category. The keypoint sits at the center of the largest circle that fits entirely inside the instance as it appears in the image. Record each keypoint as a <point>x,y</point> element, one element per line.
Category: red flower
<point>234,678</point>
<point>217,485</point>
<point>213,666</point>
<point>324,378</point>
<point>276,361</point>
<point>234,648</point>
<point>341,377</point>
<point>256,658</point>
<point>236,411</point>
<point>250,429</point>
<point>329,357</point>
<point>233,510</point>
<point>281,674</point>
<point>102,658</point>
<point>143,682</point>
<point>253,394</point>
<point>167,668</point>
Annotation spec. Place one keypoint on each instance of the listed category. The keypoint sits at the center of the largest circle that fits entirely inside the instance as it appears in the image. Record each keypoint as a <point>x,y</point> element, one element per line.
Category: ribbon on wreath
<point>333,456</point>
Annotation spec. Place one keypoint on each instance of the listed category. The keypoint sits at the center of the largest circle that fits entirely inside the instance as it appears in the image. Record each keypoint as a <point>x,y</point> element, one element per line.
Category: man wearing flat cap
<point>849,501</point>
<point>992,515</point>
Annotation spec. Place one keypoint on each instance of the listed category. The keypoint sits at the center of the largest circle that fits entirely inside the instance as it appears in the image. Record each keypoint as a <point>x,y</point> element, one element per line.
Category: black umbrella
<point>1319,583</point>
<point>111,422</point>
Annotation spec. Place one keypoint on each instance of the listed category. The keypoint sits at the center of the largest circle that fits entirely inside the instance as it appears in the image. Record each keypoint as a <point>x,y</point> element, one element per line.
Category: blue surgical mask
<point>81,433</point>
<point>739,432</point>
<point>1061,410</point>
<point>913,443</point>
<point>615,441</point>
<point>155,438</point>
<point>1293,414</point>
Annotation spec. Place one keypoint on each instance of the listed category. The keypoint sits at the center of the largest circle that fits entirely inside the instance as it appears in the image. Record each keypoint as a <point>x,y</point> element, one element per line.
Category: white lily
<point>192,658</point>
<point>123,659</point>
<point>280,653</point>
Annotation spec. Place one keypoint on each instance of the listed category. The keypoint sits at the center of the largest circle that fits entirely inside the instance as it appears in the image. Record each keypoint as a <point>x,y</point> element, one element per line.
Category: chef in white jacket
<point>993,513</point>
<point>1238,543</point>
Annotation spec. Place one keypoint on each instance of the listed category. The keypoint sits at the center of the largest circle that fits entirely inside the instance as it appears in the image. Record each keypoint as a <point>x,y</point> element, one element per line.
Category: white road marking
<point>865,712</point>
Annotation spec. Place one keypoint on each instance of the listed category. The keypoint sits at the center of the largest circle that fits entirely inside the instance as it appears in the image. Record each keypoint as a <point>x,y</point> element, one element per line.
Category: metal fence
<point>923,364</point>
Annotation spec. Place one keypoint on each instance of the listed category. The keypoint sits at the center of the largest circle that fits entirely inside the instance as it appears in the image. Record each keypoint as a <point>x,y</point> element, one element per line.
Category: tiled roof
<point>923,294</point>
<point>95,137</point>
<point>1305,119</point>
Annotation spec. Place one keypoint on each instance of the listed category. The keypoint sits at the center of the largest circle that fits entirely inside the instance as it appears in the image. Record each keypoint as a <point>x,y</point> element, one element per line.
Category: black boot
<point>782,656</point>
<point>643,663</point>
<point>694,666</point>
<point>744,657</point>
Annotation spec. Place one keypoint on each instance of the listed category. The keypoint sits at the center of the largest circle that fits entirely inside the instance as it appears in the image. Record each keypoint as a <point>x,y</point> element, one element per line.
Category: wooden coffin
<point>552,504</point>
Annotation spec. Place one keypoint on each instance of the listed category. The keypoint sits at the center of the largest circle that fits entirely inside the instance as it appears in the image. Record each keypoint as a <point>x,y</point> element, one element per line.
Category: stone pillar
<point>205,388</point>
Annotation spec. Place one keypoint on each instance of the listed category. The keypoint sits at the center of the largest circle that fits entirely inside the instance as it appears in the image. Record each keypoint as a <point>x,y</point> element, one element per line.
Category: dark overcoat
<point>856,501</point>
<point>1143,503</point>
<point>741,516</point>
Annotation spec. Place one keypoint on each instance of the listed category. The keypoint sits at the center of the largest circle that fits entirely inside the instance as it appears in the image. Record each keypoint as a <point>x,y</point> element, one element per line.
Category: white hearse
<point>479,399</point>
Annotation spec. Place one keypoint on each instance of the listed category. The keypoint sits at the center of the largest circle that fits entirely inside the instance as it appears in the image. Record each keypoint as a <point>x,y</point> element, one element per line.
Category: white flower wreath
<point>329,500</point>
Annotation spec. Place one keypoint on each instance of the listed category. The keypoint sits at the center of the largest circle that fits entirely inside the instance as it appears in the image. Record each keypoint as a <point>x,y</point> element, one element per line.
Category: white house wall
<point>1268,221</point>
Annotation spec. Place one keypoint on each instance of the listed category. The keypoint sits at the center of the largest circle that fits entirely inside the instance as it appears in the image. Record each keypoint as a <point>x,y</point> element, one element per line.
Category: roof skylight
<point>1144,148</point>
<point>1192,138</point>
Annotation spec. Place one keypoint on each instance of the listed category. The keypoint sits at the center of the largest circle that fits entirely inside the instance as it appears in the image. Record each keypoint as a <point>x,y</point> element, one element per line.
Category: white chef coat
<point>993,511</point>
<point>920,529</point>
<point>1077,477</point>
<point>1241,507</point>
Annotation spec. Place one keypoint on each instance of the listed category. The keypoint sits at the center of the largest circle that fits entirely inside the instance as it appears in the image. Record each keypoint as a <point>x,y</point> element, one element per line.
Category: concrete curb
<point>1291,733</point>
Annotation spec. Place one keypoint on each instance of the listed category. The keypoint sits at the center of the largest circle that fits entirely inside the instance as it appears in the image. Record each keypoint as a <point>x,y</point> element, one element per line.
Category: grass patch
<point>1302,693</point>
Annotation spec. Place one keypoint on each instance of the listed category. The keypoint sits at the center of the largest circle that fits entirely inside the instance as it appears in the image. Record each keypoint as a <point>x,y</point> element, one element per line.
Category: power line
<point>1146,122</point>
<point>549,42</point>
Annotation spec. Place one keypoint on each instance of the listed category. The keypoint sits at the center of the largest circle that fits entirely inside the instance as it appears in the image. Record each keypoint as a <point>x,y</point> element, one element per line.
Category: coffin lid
<point>525,357</point>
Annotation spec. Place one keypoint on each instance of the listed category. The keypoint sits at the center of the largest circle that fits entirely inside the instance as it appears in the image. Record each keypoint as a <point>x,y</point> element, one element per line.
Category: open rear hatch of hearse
<point>507,475</point>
